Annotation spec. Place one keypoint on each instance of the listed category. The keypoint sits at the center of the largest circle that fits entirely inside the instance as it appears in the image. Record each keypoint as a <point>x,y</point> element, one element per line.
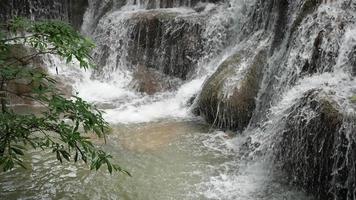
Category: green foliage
<point>64,122</point>
<point>353,99</point>
<point>49,38</point>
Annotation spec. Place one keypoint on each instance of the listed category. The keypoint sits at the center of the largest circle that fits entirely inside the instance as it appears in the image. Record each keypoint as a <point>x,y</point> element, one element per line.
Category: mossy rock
<point>318,146</point>
<point>232,111</point>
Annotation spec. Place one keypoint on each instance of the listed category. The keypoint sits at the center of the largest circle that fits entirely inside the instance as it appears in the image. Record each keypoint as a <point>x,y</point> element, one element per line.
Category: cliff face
<point>71,11</point>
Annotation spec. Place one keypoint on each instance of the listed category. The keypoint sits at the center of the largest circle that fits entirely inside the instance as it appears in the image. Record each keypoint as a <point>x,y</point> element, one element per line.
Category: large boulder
<point>318,148</point>
<point>166,42</point>
<point>228,97</point>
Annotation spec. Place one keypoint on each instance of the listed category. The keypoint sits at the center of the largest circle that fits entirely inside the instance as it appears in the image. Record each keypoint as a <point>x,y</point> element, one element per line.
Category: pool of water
<point>176,160</point>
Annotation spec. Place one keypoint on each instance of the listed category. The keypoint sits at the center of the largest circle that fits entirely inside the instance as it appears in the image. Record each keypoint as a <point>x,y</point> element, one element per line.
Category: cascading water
<point>174,44</point>
<point>280,72</point>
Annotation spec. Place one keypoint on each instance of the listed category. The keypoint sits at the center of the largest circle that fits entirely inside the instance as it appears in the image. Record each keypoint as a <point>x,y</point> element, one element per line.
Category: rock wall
<point>65,10</point>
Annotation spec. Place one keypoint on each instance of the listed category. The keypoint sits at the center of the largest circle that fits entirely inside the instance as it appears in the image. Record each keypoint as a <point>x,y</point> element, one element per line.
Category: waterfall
<point>279,74</point>
<point>152,58</point>
<point>67,10</point>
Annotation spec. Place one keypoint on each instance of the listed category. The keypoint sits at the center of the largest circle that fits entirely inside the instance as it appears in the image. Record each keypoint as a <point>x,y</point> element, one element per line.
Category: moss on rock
<point>232,111</point>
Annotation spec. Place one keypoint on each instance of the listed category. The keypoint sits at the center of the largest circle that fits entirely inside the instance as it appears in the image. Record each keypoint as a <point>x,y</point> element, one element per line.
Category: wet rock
<point>307,8</point>
<point>249,148</point>
<point>318,148</point>
<point>166,42</point>
<point>312,66</point>
<point>19,55</point>
<point>281,24</point>
<point>191,101</point>
<point>352,57</point>
<point>232,110</point>
<point>151,81</point>
<point>153,4</point>
<point>77,10</point>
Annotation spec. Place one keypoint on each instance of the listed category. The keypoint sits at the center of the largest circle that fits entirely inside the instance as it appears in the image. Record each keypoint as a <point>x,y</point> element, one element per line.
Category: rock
<point>166,42</point>
<point>19,55</point>
<point>281,23</point>
<point>312,66</point>
<point>77,10</point>
<point>352,60</point>
<point>308,6</point>
<point>151,81</point>
<point>318,148</point>
<point>153,4</point>
<point>234,110</point>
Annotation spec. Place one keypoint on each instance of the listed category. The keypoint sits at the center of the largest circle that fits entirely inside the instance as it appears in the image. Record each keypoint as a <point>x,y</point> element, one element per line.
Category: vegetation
<point>64,124</point>
<point>353,99</point>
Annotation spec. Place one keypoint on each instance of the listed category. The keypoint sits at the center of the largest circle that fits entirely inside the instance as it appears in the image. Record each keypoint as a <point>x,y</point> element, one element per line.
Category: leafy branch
<point>64,124</point>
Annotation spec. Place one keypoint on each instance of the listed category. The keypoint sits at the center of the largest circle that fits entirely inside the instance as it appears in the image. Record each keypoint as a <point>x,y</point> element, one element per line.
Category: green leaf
<point>65,155</point>
<point>76,156</point>
<point>59,157</point>
<point>17,151</point>
<point>109,166</point>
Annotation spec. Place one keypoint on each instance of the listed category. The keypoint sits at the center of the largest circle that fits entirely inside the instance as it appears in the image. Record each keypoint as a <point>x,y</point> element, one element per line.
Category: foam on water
<point>168,105</point>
